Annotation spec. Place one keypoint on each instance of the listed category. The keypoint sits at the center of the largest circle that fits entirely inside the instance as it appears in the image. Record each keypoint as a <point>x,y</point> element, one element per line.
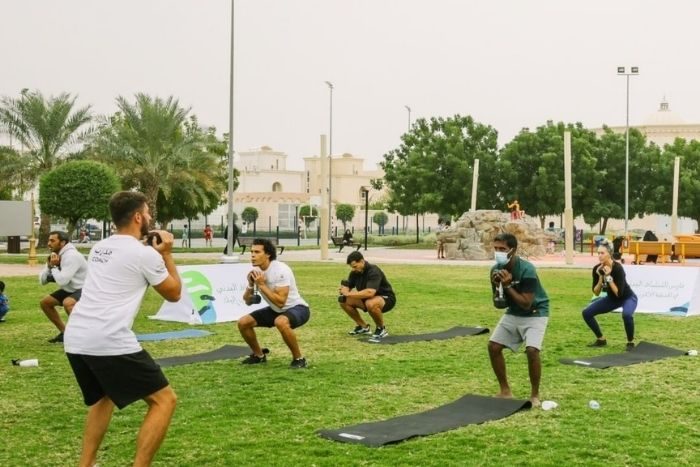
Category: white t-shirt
<point>280,275</point>
<point>120,269</point>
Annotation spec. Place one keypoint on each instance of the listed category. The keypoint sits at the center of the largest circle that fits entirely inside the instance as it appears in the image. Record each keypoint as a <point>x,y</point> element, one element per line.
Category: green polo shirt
<point>525,280</point>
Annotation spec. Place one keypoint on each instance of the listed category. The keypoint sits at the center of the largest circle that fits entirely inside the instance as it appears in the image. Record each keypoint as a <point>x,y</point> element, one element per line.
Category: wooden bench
<point>245,242</point>
<point>687,250</point>
<point>661,249</point>
<point>338,241</point>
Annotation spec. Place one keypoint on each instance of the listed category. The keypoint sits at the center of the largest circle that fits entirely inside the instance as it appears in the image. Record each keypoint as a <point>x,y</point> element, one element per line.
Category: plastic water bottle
<point>595,405</point>
<point>549,405</point>
<point>30,362</point>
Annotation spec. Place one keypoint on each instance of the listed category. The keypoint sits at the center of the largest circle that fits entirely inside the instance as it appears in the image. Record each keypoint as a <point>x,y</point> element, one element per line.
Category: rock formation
<point>471,236</point>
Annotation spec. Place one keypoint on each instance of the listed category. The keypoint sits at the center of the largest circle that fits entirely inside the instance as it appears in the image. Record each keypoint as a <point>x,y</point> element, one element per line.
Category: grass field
<point>267,415</point>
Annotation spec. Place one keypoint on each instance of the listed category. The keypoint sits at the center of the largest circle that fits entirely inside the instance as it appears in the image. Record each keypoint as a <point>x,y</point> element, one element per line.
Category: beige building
<point>267,185</point>
<point>663,127</point>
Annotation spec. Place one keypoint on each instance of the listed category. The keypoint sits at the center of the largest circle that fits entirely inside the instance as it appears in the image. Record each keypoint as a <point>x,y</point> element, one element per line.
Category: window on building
<point>276,187</point>
<point>285,216</point>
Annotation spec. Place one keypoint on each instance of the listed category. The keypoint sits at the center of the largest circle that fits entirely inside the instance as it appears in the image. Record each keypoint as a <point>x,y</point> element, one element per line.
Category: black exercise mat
<point>468,410</point>
<point>457,331</point>
<point>643,352</point>
<point>223,353</point>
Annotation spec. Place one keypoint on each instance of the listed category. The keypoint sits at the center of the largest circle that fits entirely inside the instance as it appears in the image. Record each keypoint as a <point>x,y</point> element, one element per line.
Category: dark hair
<point>62,236</point>
<point>355,256</point>
<point>2,286</point>
<point>124,204</point>
<point>268,247</point>
<point>508,239</point>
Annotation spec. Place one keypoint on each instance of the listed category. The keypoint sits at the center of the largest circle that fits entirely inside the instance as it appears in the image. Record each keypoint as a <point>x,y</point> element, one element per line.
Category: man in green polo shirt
<point>525,320</point>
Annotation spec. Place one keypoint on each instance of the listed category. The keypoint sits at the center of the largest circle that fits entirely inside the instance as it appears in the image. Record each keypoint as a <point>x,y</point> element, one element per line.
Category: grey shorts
<point>512,331</point>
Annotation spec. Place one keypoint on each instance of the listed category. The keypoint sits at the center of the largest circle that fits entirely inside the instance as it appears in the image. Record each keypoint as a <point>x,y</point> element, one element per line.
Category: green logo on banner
<point>200,291</point>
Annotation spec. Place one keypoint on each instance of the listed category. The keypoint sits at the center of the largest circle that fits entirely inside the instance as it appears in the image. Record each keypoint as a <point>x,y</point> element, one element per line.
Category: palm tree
<point>156,148</point>
<point>47,129</point>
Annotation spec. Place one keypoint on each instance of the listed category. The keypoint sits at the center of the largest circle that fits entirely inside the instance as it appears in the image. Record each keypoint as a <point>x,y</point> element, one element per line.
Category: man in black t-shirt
<point>366,289</point>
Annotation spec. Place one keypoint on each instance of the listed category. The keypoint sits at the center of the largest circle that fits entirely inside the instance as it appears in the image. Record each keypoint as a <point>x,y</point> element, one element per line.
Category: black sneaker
<point>253,359</point>
<point>57,339</point>
<point>629,346</point>
<point>379,334</point>
<point>359,330</point>
<point>298,363</point>
<point>598,343</point>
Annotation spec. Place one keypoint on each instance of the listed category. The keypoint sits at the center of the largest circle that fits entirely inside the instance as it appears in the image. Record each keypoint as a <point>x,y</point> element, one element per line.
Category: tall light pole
<point>330,149</point>
<point>230,257</point>
<point>409,117</point>
<point>621,71</point>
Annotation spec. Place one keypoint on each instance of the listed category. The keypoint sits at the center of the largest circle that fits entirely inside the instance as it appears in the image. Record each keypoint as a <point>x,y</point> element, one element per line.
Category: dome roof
<point>663,116</point>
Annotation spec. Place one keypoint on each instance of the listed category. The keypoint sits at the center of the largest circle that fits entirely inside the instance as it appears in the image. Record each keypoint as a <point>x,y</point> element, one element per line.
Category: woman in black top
<point>347,237</point>
<point>609,277</point>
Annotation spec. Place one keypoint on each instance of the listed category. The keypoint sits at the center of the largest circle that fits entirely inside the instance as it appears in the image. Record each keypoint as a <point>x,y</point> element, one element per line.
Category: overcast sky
<point>508,63</point>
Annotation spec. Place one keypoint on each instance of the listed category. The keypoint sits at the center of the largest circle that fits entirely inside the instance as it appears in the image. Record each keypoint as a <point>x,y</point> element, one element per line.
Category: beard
<point>144,230</point>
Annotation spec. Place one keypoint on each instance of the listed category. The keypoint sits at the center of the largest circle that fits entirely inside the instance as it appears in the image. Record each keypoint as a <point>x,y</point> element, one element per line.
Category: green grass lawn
<point>231,415</point>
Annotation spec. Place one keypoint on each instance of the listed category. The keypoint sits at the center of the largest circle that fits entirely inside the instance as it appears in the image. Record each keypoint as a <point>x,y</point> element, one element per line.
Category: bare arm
<point>171,288</point>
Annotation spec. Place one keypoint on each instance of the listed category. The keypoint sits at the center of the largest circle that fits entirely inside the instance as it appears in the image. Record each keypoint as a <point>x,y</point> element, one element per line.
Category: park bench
<point>245,242</point>
<point>661,249</point>
<point>687,250</point>
<point>338,241</point>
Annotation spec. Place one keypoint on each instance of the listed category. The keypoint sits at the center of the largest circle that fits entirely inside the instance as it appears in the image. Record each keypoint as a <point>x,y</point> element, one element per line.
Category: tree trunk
<point>44,229</point>
<point>604,226</point>
<point>151,193</point>
<point>541,222</point>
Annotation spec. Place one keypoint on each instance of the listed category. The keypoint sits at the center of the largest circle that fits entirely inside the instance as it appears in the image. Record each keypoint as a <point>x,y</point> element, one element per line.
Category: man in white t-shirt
<point>274,281</point>
<point>109,364</point>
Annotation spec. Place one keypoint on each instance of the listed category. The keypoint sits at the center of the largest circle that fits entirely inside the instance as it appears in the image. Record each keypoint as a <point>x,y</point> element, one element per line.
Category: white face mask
<point>501,257</point>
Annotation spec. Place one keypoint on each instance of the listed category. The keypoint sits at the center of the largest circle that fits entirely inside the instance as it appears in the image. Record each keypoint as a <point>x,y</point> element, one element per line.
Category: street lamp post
<point>621,71</point>
<point>365,191</point>
<point>230,257</point>
<point>409,117</point>
<point>330,147</point>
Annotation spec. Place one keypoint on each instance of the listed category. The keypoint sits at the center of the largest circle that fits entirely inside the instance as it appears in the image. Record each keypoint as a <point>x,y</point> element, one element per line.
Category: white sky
<point>508,63</point>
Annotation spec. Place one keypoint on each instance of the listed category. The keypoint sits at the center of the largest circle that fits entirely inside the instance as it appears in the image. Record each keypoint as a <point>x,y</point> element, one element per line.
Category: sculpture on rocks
<point>471,236</point>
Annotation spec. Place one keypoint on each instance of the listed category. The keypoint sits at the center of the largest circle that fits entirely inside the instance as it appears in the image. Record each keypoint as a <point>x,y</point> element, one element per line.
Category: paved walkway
<point>377,255</point>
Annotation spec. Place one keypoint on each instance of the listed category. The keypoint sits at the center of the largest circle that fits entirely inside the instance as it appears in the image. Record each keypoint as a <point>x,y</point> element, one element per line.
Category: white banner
<point>210,294</point>
<point>665,289</point>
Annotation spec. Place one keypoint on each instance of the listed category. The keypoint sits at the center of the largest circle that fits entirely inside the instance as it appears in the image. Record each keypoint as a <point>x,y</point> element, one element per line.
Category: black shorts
<point>298,315</point>
<point>389,303</point>
<point>122,378</point>
<point>61,295</point>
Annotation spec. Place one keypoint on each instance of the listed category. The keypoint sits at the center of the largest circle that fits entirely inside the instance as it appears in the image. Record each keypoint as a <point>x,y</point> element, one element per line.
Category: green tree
<point>344,213</point>
<point>250,214</point>
<point>78,190</point>
<point>689,180</point>
<point>531,169</point>
<point>15,172</point>
<point>608,190</point>
<point>431,171</point>
<point>48,129</point>
<point>308,213</point>
<point>380,218</point>
<point>156,148</point>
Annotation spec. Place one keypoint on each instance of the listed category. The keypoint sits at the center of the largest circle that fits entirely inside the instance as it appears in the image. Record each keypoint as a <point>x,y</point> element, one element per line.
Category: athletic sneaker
<point>629,346</point>
<point>252,359</point>
<point>379,334</point>
<point>359,330</point>
<point>598,343</point>
<point>57,339</point>
<point>298,363</point>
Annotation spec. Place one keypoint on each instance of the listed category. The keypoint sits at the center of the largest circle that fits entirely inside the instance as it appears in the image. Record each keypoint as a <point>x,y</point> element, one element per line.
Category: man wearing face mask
<point>526,316</point>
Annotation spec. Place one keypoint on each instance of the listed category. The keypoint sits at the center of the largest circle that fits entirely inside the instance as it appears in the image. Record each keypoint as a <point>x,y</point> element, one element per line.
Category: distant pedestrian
<point>184,236</point>
<point>4,302</point>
